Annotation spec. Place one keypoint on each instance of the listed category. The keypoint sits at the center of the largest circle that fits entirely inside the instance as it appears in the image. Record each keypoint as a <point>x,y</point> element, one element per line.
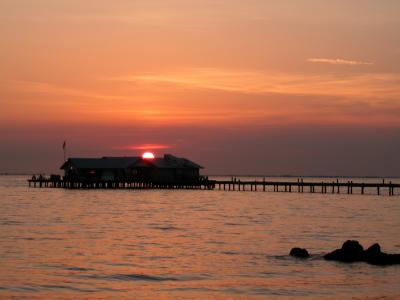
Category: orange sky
<point>201,65</point>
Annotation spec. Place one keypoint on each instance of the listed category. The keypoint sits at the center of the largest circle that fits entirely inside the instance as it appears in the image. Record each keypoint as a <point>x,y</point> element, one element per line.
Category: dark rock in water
<point>375,249</point>
<point>299,252</point>
<point>351,251</point>
<point>373,254</point>
<point>353,247</point>
<point>389,259</point>
<point>334,255</point>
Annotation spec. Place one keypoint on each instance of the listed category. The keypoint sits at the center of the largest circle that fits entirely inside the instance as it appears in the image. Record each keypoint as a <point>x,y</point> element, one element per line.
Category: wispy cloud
<point>34,87</point>
<point>368,85</point>
<point>338,61</point>
<point>214,96</point>
<point>146,147</point>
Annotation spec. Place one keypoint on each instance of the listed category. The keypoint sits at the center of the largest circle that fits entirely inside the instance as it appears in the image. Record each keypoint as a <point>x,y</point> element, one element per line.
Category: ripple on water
<point>78,269</point>
<point>144,277</point>
<point>141,277</point>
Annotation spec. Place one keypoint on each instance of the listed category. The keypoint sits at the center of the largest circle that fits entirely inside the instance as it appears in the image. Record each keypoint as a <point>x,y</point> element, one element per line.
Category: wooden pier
<point>118,184</point>
<point>300,186</point>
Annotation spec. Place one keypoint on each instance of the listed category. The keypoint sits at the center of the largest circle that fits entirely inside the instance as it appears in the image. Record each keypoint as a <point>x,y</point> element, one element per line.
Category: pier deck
<point>300,186</point>
<point>118,184</point>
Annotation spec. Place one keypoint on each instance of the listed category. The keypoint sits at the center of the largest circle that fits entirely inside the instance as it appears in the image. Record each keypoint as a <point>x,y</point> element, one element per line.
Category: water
<point>162,244</point>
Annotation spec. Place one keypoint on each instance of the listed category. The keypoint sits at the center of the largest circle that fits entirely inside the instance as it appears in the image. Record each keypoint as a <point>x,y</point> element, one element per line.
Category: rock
<point>352,248</point>
<point>391,259</point>
<point>299,252</point>
<point>374,249</point>
<point>351,251</point>
<point>374,256</point>
<point>334,255</point>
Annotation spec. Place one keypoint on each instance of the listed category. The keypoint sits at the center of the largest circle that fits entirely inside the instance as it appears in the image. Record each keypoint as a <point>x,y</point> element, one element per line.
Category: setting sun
<point>148,155</point>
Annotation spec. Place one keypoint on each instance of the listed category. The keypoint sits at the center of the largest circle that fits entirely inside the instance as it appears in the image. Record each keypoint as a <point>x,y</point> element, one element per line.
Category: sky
<point>289,87</point>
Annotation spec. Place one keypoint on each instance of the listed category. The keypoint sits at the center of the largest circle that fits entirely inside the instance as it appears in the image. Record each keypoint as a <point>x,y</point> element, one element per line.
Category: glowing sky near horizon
<point>195,77</point>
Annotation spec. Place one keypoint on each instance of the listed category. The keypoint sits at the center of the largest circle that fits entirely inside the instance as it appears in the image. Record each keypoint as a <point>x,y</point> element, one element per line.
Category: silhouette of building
<point>166,169</point>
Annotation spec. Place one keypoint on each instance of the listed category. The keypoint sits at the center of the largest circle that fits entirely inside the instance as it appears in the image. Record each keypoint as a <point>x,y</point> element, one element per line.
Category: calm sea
<point>184,244</point>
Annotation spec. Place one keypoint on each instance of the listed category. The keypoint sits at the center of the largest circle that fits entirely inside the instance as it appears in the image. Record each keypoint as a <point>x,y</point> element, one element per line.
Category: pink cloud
<point>338,61</point>
<point>146,147</point>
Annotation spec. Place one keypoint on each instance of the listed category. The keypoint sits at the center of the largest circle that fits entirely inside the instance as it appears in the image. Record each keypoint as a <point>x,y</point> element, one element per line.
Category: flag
<point>64,145</point>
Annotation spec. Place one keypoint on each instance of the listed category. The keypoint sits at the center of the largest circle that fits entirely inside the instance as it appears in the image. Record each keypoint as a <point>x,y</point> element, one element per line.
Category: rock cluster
<point>353,251</point>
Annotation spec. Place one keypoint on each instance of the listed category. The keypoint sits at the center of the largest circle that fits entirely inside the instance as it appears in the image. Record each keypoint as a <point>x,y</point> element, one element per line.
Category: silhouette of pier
<point>43,182</point>
<point>234,184</point>
<point>301,186</point>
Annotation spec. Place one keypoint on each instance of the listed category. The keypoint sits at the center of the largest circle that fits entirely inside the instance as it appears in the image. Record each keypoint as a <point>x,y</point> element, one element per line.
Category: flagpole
<point>65,150</point>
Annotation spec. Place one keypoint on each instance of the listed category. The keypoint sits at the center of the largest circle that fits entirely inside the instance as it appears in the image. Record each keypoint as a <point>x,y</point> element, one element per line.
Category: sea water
<point>190,244</point>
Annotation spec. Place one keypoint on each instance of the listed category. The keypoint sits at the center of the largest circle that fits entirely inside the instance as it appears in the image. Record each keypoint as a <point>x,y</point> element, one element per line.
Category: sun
<point>148,155</point>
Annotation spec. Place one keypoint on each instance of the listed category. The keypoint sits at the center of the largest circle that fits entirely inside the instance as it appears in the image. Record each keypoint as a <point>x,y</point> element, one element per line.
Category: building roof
<point>100,163</point>
<point>170,161</point>
<point>166,162</point>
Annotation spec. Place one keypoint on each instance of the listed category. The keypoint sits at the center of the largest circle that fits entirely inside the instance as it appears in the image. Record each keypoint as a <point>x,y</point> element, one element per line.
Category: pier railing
<point>302,186</point>
<point>234,184</point>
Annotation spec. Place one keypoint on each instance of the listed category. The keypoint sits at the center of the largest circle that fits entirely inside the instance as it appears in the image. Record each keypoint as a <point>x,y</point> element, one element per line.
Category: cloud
<point>211,96</point>
<point>146,147</point>
<point>35,87</point>
<point>368,85</point>
<point>338,61</point>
